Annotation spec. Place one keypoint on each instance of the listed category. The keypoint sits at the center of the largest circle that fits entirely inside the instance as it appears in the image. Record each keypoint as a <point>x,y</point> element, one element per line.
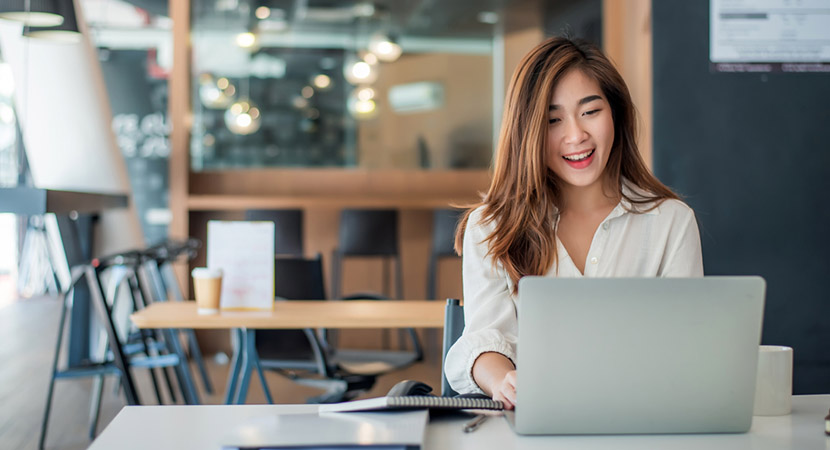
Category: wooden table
<point>299,314</point>
<point>288,314</point>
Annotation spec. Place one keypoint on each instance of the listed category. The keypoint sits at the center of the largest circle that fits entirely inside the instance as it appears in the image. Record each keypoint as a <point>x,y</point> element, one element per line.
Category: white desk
<point>202,427</point>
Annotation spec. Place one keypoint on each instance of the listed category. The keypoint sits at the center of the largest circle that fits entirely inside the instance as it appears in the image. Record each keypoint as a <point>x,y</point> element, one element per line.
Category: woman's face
<point>580,130</point>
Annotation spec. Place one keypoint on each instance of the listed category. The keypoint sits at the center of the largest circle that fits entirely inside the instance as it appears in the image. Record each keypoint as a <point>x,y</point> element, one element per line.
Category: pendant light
<point>35,13</point>
<point>65,32</point>
<point>243,117</point>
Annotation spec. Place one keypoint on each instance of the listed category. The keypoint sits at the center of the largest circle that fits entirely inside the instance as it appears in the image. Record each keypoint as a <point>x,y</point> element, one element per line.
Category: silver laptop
<point>637,356</point>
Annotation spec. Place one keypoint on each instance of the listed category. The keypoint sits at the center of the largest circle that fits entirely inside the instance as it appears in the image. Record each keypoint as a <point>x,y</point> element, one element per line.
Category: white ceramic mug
<point>774,385</point>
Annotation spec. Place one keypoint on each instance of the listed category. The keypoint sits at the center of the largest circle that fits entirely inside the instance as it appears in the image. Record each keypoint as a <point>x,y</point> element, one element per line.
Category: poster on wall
<point>244,250</point>
<point>769,35</point>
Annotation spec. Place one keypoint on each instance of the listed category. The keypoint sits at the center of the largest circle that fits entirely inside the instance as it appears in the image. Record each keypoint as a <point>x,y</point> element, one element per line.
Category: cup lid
<point>206,272</point>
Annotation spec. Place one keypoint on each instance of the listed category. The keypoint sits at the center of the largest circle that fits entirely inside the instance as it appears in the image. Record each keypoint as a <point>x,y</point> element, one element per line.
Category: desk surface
<point>299,314</point>
<point>201,427</point>
<point>26,200</point>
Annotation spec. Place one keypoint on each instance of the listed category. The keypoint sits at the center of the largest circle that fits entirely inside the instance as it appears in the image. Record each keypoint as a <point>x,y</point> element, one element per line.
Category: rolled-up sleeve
<point>489,310</point>
<point>684,257</point>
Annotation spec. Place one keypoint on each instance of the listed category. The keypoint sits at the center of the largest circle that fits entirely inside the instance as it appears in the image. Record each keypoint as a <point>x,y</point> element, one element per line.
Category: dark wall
<point>139,108</point>
<point>751,153</point>
<point>580,19</point>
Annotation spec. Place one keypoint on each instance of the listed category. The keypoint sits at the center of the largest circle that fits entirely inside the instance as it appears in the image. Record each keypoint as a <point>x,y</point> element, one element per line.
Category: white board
<point>244,250</point>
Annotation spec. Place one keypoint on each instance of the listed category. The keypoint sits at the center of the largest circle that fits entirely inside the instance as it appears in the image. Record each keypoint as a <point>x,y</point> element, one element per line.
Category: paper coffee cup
<point>774,385</point>
<point>207,283</point>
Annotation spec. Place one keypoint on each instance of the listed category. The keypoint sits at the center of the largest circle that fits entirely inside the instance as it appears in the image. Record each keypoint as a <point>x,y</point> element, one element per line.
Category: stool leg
<point>120,360</point>
<point>95,413</point>
<point>196,353</point>
<point>236,367</point>
<point>157,278</point>
<point>135,294</point>
<point>183,369</point>
<point>254,358</point>
<point>51,390</point>
<point>242,395</point>
<point>144,291</point>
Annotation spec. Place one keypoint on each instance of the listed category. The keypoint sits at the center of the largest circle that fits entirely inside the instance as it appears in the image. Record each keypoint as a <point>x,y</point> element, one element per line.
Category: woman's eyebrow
<point>581,102</point>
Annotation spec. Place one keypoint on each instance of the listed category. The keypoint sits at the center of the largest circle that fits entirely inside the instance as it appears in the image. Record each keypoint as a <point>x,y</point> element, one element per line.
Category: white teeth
<point>579,157</point>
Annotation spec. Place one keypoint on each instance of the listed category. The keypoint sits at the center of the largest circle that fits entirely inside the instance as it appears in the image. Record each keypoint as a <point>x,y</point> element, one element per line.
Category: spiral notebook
<point>414,402</point>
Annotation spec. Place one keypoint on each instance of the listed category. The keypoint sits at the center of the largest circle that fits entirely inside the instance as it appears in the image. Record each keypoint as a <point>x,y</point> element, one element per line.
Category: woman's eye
<point>554,120</point>
<point>591,112</point>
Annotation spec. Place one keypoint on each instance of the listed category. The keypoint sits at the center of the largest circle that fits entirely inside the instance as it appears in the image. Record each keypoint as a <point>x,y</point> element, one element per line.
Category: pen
<point>473,425</point>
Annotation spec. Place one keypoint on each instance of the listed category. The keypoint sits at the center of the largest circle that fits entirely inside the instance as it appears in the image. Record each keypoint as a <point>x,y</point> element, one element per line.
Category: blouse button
<point>594,260</point>
<point>605,226</point>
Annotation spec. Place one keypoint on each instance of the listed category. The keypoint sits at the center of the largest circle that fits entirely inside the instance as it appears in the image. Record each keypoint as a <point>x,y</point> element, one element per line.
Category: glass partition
<point>341,84</point>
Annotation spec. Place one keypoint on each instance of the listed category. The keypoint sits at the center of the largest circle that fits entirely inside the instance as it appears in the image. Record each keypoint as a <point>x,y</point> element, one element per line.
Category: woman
<point>570,197</point>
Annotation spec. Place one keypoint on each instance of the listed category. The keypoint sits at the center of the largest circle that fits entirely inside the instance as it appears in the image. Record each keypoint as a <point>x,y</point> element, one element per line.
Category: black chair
<point>372,233</point>
<point>288,228</point>
<point>444,224</point>
<point>453,328</point>
<point>304,357</point>
<point>368,233</point>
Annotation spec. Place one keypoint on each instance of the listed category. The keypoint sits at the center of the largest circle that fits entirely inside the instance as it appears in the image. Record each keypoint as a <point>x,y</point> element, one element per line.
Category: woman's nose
<point>574,132</point>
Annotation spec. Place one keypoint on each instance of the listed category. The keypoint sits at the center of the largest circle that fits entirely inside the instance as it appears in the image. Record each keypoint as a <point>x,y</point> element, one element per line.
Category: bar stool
<point>160,282</point>
<point>152,349</point>
<point>117,365</point>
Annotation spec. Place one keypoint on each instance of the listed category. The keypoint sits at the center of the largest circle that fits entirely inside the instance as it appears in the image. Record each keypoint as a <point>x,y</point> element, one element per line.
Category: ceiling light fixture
<point>263,12</point>
<point>359,71</point>
<point>34,13</point>
<point>361,104</point>
<point>65,32</point>
<point>488,17</point>
<point>321,81</point>
<point>215,94</point>
<point>246,40</point>
<point>384,47</point>
<point>243,117</point>
<point>363,9</point>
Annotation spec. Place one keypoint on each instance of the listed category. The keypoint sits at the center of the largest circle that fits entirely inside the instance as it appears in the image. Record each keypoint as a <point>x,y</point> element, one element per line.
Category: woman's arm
<point>489,313</point>
<point>496,375</point>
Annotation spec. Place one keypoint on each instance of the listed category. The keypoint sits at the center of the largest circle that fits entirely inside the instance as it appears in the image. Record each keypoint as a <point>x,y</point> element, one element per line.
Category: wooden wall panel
<point>627,42</point>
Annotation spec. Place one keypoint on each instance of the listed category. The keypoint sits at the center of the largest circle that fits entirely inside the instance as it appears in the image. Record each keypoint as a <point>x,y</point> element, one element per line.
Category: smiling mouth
<point>580,157</point>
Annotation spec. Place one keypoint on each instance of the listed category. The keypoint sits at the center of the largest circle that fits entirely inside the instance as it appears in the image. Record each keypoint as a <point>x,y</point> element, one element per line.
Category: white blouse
<point>663,242</point>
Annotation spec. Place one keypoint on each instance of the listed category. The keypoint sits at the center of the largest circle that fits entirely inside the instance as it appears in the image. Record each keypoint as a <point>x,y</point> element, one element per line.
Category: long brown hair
<point>524,196</point>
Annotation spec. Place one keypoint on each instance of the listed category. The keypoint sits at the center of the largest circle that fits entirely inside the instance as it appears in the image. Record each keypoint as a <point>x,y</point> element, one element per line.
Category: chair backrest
<point>368,232</point>
<point>298,278</point>
<point>295,278</point>
<point>444,224</point>
<point>453,327</point>
<point>288,228</point>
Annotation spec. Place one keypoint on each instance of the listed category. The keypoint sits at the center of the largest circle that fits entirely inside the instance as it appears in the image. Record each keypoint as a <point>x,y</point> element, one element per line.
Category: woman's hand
<point>505,391</point>
<point>495,374</point>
